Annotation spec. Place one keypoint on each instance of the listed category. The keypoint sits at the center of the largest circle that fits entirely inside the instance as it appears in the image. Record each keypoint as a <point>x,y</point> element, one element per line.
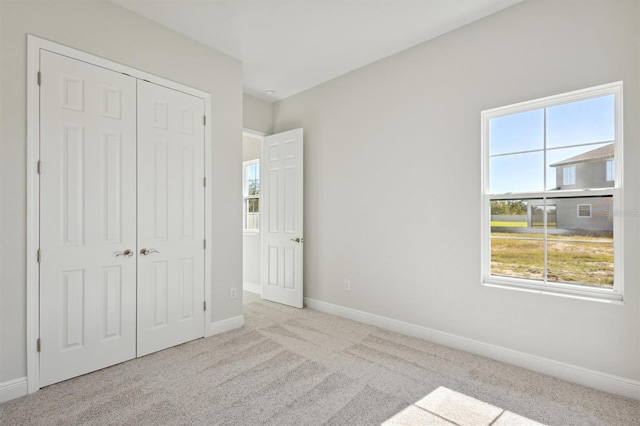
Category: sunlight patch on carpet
<point>446,407</point>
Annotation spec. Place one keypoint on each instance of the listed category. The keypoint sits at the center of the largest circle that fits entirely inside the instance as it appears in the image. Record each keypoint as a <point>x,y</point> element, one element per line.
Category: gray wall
<point>106,30</point>
<point>590,174</point>
<point>392,176</point>
<point>257,114</point>
<point>600,222</point>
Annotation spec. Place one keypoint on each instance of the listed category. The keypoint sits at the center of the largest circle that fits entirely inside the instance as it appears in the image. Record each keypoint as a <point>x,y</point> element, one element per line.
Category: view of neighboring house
<point>591,169</point>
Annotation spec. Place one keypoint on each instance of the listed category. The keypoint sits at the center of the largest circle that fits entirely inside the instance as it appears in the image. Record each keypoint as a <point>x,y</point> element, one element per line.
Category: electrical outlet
<point>347,285</point>
<point>234,293</point>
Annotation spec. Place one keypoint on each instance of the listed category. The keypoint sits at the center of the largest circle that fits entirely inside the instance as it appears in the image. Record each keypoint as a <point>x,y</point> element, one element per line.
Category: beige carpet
<point>302,367</point>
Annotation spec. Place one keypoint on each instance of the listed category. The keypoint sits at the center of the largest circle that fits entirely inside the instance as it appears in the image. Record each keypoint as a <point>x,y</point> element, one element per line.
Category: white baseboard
<point>252,287</point>
<point>225,325</point>
<point>571,373</point>
<point>13,389</point>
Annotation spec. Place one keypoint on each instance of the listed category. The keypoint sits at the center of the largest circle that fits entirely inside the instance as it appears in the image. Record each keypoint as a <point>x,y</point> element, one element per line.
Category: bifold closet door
<point>87,218</point>
<point>170,217</point>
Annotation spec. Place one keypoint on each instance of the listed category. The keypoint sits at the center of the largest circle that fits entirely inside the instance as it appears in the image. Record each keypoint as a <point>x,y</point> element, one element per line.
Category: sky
<point>581,122</point>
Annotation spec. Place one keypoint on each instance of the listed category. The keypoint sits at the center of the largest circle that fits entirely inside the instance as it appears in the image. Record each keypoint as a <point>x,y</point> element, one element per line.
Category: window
<point>584,210</point>
<point>549,221</point>
<point>569,175</point>
<point>251,192</point>
<point>611,171</point>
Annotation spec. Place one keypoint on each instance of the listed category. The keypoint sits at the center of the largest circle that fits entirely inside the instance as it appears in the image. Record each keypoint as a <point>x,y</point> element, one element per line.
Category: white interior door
<point>87,218</point>
<point>282,218</point>
<point>170,217</point>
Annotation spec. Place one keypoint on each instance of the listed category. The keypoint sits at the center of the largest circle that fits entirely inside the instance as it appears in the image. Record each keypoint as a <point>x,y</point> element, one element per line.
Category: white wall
<point>257,114</point>
<point>251,250</point>
<point>106,30</point>
<point>251,148</point>
<point>399,140</point>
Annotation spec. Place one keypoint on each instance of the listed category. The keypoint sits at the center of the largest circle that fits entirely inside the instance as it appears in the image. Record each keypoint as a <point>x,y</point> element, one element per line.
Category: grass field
<point>587,262</point>
<point>499,224</point>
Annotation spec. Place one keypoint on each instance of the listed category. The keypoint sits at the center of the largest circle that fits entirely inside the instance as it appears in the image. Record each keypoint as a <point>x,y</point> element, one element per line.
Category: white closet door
<point>282,217</point>
<point>170,217</point>
<point>87,217</point>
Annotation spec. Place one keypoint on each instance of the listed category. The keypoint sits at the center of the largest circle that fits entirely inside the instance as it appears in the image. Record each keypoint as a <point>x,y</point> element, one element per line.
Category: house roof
<point>596,154</point>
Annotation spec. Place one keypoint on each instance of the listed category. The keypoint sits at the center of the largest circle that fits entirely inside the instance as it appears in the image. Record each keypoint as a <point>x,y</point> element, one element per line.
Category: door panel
<point>87,216</point>
<point>171,217</point>
<point>283,234</point>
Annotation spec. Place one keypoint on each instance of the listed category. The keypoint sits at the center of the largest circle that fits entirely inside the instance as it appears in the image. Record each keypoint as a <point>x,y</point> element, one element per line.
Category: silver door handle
<point>126,253</point>
<point>146,251</point>
<point>298,240</point>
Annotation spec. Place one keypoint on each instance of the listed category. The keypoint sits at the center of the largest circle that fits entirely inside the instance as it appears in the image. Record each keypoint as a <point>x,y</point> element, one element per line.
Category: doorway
<point>252,201</point>
<point>273,216</point>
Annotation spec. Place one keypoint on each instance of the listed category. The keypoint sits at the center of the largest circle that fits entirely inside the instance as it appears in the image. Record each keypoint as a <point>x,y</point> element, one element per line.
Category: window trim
<point>245,197</point>
<point>611,295</point>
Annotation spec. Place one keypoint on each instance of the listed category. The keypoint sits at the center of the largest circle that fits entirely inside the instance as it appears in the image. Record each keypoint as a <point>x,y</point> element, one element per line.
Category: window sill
<point>245,232</point>
<point>560,290</point>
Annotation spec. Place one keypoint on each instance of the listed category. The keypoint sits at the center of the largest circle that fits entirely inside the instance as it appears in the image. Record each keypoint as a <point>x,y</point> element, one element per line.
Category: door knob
<point>126,253</point>
<point>298,240</point>
<point>146,251</point>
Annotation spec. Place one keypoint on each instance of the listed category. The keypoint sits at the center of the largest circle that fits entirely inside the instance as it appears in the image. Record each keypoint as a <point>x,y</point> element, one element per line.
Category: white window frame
<point>578,211</point>
<point>609,295</point>
<point>245,196</point>
<point>569,175</point>
<point>610,170</point>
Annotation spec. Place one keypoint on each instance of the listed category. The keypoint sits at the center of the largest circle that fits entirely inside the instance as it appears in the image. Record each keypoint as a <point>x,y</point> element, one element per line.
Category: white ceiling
<point>292,45</point>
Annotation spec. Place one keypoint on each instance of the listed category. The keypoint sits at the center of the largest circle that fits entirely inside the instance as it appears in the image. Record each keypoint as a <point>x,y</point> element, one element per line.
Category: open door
<point>282,218</point>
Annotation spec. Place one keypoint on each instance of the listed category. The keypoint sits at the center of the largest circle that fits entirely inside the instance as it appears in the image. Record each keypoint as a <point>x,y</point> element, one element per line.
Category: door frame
<point>34,45</point>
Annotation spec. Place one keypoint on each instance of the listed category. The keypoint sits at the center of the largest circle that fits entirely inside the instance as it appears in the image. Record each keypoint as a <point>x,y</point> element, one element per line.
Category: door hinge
<point>39,167</point>
<point>204,243</point>
<point>39,78</point>
<point>38,256</point>
<point>38,345</point>
<point>204,120</point>
<point>205,305</point>
<point>204,181</point>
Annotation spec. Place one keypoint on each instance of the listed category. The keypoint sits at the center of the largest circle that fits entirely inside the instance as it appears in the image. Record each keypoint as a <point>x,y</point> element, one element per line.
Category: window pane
<point>591,120</point>
<point>251,172</point>
<point>254,205</point>
<point>585,166</point>
<point>253,187</point>
<point>588,263</point>
<point>251,221</point>
<point>516,173</point>
<point>571,224</point>
<point>517,258</point>
<point>517,132</point>
<point>509,215</point>
<point>511,254</point>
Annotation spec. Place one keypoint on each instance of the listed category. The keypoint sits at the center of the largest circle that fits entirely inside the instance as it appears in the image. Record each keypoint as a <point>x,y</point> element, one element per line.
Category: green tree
<point>508,207</point>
